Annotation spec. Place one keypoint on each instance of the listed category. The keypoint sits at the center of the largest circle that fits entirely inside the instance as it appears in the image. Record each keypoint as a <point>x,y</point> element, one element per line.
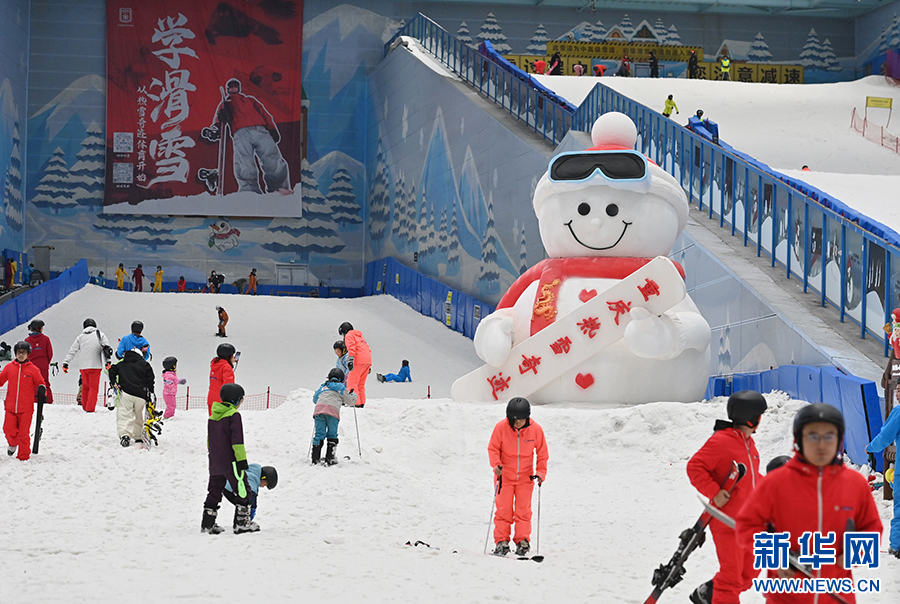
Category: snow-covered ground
<point>89,521</point>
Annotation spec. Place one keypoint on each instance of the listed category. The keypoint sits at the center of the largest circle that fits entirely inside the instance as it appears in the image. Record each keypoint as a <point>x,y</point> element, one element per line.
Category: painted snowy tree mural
<point>315,233</point>
<point>538,45</point>
<point>491,32</point>
<point>759,50</point>
<point>599,33</point>
<point>150,231</point>
<point>442,237</point>
<point>489,273</point>
<point>519,233</point>
<point>399,222</point>
<point>831,62</point>
<point>412,241</point>
<point>895,33</point>
<point>813,55</point>
<point>672,37</point>
<point>464,35</point>
<point>659,28</point>
<point>453,261</point>
<point>55,190</point>
<point>423,233</point>
<point>380,200</point>
<point>12,183</point>
<point>342,199</point>
<point>89,171</point>
<point>627,27</point>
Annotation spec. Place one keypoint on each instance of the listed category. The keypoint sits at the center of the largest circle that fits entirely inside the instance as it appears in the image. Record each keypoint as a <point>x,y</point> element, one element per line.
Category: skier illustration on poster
<point>604,215</point>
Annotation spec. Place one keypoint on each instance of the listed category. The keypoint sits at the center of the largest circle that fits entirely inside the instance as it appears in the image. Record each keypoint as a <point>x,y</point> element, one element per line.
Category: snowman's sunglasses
<point>613,165</point>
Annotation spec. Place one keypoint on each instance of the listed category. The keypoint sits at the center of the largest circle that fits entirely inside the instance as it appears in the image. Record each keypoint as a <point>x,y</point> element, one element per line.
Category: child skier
<point>890,432</point>
<point>134,340</point>
<point>227,462</point>
<point>329,398</point>
<point>401,376</point>
<point>133,377</point>
<point>25,385</point>
<point>170,385</point>
<point>258,476</point>
<point>223,321</point>
<point>41,354</point>
<point>343,361</point>
<point>514,444</point>
<point>157,280</point>
<point>708,469</point>
<point>221,372</point>
<point>360,361</point>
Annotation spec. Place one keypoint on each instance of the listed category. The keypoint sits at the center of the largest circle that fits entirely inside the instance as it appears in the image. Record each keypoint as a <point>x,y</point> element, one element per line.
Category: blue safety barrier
<point>24,307</point>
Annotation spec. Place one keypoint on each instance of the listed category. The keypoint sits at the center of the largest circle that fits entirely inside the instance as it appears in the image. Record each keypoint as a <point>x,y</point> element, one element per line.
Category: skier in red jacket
<point>708,469</point>
<point>25,385</point>
<point>221,372</point>
<point>514,444</point>
<point>41,353</point>
<point>813,492</point>
<point>360,363</point>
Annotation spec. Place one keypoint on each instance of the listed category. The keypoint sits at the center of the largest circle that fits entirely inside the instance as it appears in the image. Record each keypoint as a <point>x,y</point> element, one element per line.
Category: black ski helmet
<point>700,113</point>
<point>169,363</point>
<point>36,325</point>
<point>231,393</point>
<point>225,351</point>
<point>22,346</point>
<point>815,412</point>
<point>745,407</point>
<point>339,344</point>
<point>137,327</point>
<point>336,375</point>
<point>269,474</point>
<point>88,323</point>
<point>777,462</point>
<point>344,328</point>
<point>518,408</point>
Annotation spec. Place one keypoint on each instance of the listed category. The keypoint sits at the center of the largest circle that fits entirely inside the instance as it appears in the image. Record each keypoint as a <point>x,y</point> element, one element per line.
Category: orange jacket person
<point>221,372</point>
<point>223,321</point>
<point>514,443</point>
<point>25,383</point>
<point>360,361</point>
<point>251,282</point>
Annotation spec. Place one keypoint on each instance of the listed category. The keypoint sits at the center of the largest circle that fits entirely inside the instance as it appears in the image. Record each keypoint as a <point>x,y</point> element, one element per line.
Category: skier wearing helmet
<point>134,378</point>
<point>814,492</point>
<point>134,340</point>
<point>223,321</point>
<point>359,363</point>
<point>329,398</point>
<point>255,137</point>
<point>514,444</point>
<point>221,372</point>
<point>708,469</point>
<point>92,351</point>
<point>41,353</point>
<point>25,385</point>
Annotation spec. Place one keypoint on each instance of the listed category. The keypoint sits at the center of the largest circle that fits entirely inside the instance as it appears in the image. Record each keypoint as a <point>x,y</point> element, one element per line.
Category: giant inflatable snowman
<point>604,214</point>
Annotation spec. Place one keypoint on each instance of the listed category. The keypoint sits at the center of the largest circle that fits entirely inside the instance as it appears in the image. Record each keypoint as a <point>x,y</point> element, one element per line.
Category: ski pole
<point>537,541</point>
<point>491,517</point>
<point>311,439</point>
<point>356,423</point>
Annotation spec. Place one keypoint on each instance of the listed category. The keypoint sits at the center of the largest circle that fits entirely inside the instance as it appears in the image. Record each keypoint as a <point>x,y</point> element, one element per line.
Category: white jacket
<point>88,348</point>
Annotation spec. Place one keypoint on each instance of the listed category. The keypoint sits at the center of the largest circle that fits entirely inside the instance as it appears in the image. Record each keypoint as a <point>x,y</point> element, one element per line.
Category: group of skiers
<point>213,283</point>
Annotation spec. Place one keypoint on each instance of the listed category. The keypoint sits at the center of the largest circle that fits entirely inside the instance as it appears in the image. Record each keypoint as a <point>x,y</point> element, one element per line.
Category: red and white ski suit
<point>358,349</point>
<point>24,379</point>
<point>708,469</point>
<point>800,497</point>
<point>515,450</point>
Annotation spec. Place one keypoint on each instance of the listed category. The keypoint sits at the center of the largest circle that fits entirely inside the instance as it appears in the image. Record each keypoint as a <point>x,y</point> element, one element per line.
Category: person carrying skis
<point>813,492</point>
<point>360,362</point>
<point>92,350</point>
<point>329,398</point>
<point>708,469</point>
<point>514,444</point>
<point>170,385</point>
<point>138,276</point>
<point>134,340</point>
<point>343,361</point>
<point>120,277</point>
<point>223,321</point>
<point>401,376</point>
<point>133,378</point>
<point>221,372</point>
<point>889,434</point>
<point>25,386</point>
<point>670,105</point>
<point>251,282</point>
<point>157,280</point>
<point>41,354</point>
<point>258,476</point>
<point>227,462</point>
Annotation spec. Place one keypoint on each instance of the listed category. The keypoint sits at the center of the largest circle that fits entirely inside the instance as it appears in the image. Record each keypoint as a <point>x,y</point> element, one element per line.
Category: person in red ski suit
<point>708,470</point>
<point>138,276</point>
<point>514,444</point>
<point>360,363</point>
<point>25,385</point>
<point>814,492</point>
<point>41,353</point>
<point>221,372</point>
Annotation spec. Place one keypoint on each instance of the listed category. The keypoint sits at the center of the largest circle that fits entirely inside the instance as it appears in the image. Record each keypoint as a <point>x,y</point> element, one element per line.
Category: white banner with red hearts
<point>575,337</point>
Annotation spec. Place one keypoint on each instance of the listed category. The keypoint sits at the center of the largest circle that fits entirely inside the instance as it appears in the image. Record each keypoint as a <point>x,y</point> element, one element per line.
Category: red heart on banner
<point>584,380</point>
<point>586,295</point>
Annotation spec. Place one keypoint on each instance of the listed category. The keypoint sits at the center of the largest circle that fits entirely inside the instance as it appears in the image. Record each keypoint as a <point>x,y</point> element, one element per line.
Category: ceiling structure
<point>797,8</point>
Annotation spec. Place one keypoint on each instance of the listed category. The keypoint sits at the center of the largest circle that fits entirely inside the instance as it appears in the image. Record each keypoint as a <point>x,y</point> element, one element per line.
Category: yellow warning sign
<point>877,101</point>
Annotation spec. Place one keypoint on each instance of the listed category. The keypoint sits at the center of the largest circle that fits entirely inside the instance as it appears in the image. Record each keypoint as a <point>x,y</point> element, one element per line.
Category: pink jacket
<point>358,348</point>
<point>515,451</point>
<point>170,383</point>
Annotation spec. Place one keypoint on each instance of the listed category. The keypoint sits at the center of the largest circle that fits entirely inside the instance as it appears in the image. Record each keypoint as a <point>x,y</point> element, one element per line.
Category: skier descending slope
<point>514,444</point>
<point>732,441</point>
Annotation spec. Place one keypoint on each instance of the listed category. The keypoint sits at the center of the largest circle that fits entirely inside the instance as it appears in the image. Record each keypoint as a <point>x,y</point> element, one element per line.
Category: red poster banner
<point>204,107</point>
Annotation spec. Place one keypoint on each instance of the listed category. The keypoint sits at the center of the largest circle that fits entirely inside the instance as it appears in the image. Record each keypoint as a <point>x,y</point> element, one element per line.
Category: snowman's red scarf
<point>551,273</point>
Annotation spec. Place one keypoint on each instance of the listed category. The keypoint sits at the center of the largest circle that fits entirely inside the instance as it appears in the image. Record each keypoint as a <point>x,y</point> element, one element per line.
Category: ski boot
<point>523,547</point>
<point>316,453</point>
<point>125,441</point>
<point>11,451</point>
<point>891,551</point>
<point>331,452</point>
<point>502,548</point>
<point>703,593</point>
<point>242,522</point>
<point>379,377</point>
<point>208,524</point>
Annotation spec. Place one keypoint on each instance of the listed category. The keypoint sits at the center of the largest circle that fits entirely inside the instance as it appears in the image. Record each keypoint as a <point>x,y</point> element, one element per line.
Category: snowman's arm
<point>666,336</point>
<point>495,337</point>
<point>693,330</point>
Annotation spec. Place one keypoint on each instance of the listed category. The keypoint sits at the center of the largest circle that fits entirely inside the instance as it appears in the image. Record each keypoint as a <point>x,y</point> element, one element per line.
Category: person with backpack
<point>133,379</point>
<point>92,351</point>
